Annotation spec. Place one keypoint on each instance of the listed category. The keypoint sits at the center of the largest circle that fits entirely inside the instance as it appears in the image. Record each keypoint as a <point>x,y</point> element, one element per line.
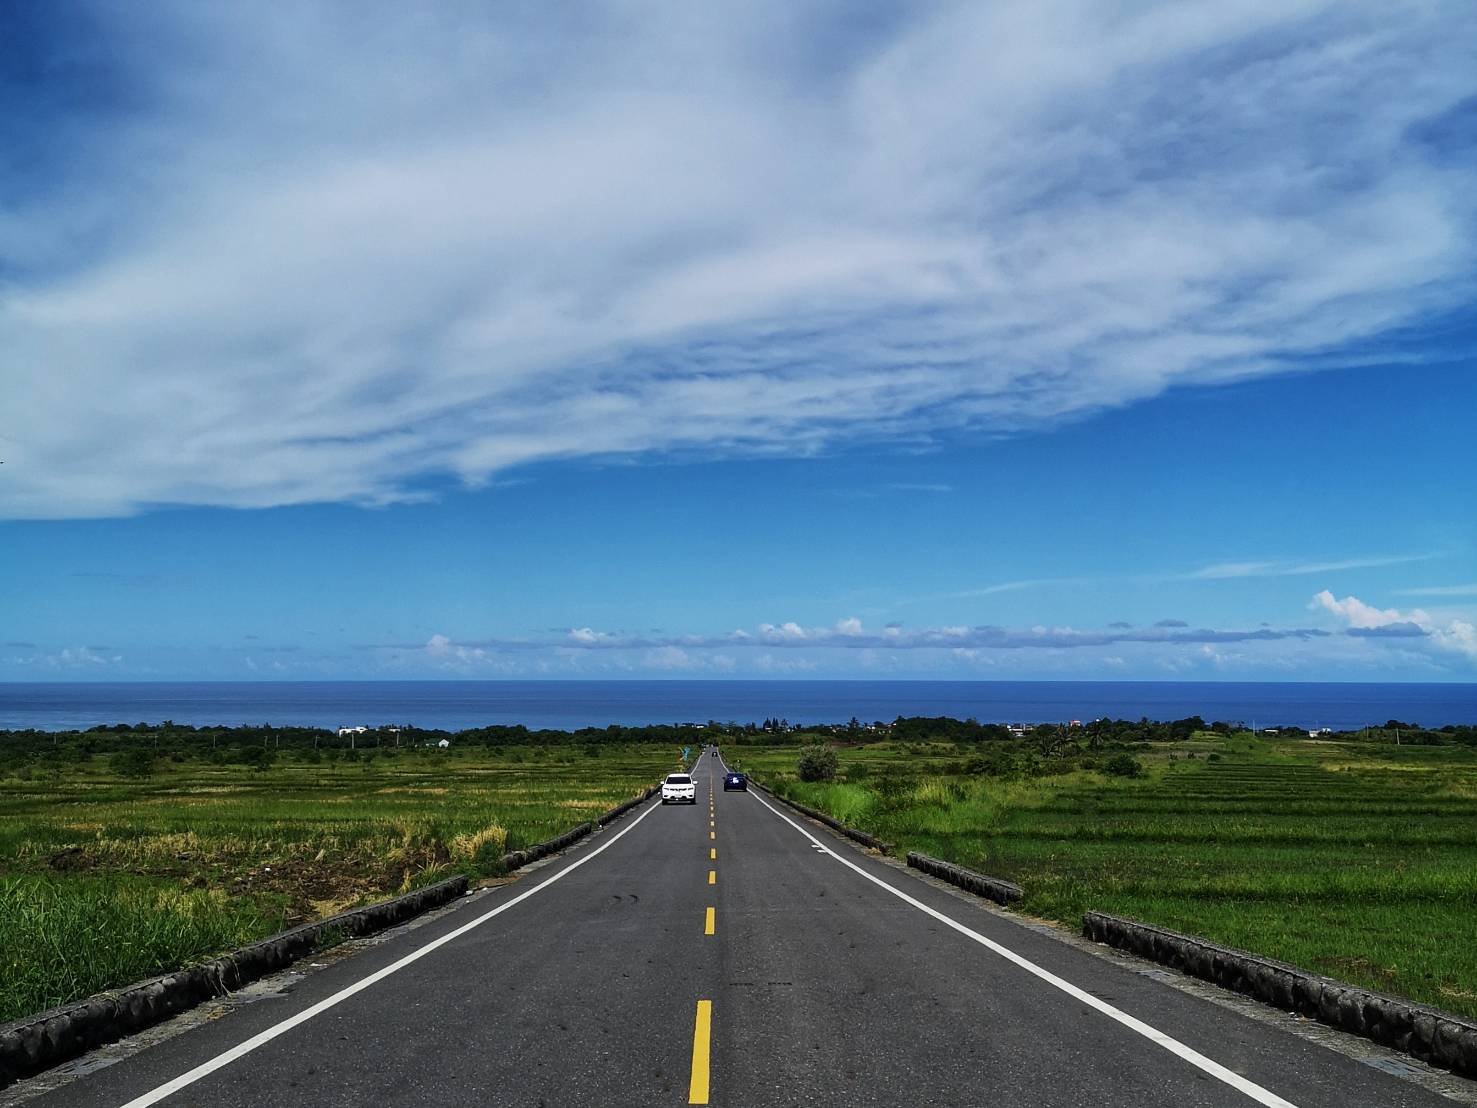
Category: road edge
<point>1002,892</point>
<point>36,1043</point>
<point>1438,1080</point>
<point>1440,1038</point>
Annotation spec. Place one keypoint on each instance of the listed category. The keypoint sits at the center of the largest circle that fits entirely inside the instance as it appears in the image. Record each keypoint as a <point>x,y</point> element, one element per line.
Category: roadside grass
<point>1357,861</point>
<point>104,879</point>
<point>61,939</point>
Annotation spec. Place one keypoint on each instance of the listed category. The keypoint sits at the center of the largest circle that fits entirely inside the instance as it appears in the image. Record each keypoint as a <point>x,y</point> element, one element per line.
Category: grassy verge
<point>1358,861</point>
<point>106,879</point>
<point>61,939</point>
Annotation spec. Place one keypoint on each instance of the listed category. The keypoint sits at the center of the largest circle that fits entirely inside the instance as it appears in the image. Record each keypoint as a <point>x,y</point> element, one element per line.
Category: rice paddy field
<point>106,879</point>
<point>1358,861</point>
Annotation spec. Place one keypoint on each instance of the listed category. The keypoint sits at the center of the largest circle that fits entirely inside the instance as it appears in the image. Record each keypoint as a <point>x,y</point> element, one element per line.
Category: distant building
<point>444,743</point>
<point>352,730</point>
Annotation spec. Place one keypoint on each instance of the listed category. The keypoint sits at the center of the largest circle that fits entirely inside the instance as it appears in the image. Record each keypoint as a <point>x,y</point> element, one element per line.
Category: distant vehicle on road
<point>714,752</point>
<point>679,789</point>
<point>735,781</point>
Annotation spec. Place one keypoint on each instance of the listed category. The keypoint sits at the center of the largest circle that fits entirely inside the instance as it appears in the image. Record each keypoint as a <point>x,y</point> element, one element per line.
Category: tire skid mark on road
<point>1206,1065</point>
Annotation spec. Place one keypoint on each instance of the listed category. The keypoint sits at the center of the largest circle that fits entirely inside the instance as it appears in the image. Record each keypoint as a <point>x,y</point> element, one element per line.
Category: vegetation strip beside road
<point>1356,860</point>
<point>109,876</point>
<point>35,1043</point>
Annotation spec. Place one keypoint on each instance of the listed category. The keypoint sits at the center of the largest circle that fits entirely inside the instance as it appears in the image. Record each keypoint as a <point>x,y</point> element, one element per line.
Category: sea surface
<point>453,705</point>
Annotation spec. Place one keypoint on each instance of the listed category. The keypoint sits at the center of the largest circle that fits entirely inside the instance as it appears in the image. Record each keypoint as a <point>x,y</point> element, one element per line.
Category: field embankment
<point>1358,861</point>
<point>107,878</point>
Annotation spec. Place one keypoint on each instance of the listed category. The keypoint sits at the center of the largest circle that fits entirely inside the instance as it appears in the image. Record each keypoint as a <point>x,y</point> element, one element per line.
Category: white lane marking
<point>263,1037</point>
<point>1153,1034</point>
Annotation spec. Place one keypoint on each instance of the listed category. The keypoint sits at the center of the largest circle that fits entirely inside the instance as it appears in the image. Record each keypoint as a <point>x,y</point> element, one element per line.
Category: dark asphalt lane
<point>825,989</point>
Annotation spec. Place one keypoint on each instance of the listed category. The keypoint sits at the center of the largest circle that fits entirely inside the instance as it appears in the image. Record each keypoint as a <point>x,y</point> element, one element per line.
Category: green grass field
<point>1356,861</point>
<point>105,880</point>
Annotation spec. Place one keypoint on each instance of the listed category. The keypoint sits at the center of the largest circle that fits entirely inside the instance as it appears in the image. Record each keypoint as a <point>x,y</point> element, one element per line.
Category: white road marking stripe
<point>1154,1035</point>
<point>263,1037</point>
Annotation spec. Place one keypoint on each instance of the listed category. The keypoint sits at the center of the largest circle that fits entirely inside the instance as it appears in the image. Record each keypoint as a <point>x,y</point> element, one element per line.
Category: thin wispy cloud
<point>1220,571</point>
<point>850,635</point>
<point>291,264</point>
<point>1010,586</point>
<point>1440,591</point>
<point>1228,570</point>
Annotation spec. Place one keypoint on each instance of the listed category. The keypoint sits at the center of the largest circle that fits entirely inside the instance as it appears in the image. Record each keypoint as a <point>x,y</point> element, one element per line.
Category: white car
<point>679,789</point>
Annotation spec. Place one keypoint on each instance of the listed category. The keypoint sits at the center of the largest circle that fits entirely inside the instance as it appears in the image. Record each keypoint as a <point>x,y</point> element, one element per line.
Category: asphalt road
<point>731,953</point>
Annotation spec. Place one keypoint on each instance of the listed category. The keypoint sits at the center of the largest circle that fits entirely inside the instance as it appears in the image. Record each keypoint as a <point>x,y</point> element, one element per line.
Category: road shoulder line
<point>263,1037</point>
<point>1209,1066</point>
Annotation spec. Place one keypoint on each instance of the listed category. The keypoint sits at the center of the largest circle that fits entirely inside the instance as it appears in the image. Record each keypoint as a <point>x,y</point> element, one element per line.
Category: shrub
<point>1123,765</point>
<point>136,761</point>
<point>816,763</point>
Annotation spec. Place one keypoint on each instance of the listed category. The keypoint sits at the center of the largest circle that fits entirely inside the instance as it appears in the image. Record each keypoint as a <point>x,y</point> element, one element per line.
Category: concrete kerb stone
<point>35,1043</point>
<point>621,809</point>
<point>991,888</point>
<point>1429,1034</point>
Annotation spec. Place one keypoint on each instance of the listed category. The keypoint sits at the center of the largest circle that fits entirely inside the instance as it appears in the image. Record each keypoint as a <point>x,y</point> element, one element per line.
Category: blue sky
<point>1053,340</point>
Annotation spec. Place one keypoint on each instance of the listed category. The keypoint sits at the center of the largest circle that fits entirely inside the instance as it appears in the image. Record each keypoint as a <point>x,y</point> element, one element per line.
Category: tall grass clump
<point>63,939</point>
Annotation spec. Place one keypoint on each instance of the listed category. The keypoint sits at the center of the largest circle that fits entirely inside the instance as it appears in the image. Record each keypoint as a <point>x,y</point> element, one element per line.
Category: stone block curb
<point>621,809</point>
<point>871,842</point>
<point>35,1043</point>
<point>517,859</point>
<point>991,888</point>
<point>1429,1034</point>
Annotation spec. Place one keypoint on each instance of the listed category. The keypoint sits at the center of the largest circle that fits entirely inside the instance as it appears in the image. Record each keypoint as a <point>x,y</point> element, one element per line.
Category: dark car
<point>735,781</point>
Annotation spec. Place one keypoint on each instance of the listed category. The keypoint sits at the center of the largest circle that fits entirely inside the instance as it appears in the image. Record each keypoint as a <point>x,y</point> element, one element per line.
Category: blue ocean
<point>453,705</point>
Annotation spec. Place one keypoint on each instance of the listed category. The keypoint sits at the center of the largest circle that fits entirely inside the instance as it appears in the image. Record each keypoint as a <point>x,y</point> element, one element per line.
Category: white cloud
<point>788,632</point>
<point>1455,636</point>
<point>1356,613</point>
<point>668,657</point>
<point>81,658</point>
<point>448,654</point>
<point>849,626</point>
<point>309,265</point>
